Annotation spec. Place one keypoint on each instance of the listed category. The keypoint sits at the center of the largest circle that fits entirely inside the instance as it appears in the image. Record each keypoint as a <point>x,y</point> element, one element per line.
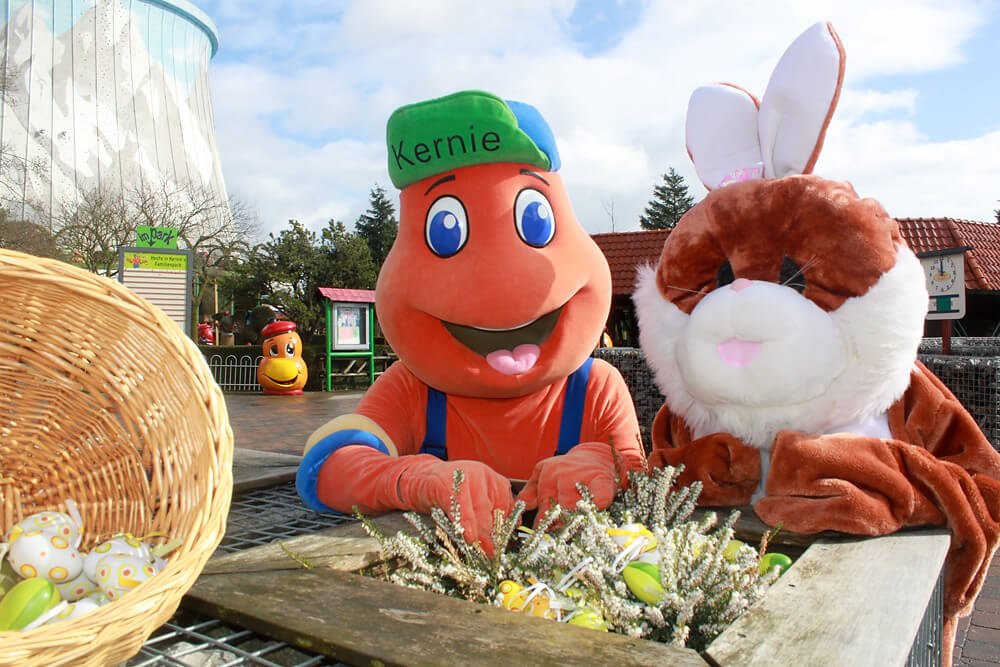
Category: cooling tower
<point>101,95</point>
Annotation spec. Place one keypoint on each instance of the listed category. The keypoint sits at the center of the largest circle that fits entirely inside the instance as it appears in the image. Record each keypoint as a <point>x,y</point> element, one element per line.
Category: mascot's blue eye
<point>447,227</point>
<point>536,224</point>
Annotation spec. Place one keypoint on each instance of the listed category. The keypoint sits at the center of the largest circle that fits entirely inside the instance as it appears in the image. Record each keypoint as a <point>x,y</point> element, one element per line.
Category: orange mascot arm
<point>610,447</point>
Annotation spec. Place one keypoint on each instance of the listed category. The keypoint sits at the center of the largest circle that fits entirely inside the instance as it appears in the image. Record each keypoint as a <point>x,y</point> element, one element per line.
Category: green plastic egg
<point>732,549</point>
<point>8,578</point>
<point>643,579</point>
<point>773,560</point>
<point>27,601</point>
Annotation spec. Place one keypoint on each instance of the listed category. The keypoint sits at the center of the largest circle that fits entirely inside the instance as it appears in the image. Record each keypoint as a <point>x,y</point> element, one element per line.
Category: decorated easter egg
<point>588,618</point>
<point>80,587</point>
<point>26,601</point>
<point>75,609</point>
<point>123,543</point>
<point>117,574</point>
<point>56,523</point>
<point>47,553</point>
<point>772,560</point>
<point>643,579</point>
<point>625,536</point>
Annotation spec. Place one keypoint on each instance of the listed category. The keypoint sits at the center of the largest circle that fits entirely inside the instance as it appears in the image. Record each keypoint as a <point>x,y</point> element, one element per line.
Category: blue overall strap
<point>437,414</point>
<point>572,411</point>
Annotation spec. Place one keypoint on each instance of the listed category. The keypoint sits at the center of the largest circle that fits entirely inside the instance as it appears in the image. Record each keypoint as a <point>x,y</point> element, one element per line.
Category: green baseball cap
<point>463,129</point>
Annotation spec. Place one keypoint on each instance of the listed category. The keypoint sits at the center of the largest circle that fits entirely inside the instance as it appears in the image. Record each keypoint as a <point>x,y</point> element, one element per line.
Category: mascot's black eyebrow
<point>528,172</point>
<point>445,179</point>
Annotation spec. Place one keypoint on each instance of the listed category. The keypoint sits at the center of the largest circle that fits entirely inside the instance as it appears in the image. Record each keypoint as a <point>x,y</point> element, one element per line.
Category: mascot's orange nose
<point>281,370</point>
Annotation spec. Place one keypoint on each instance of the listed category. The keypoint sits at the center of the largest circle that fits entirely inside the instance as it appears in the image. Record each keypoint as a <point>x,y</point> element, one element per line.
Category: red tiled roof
<point>349,295</point>
<point>626,251</point>
<point>982,263</point>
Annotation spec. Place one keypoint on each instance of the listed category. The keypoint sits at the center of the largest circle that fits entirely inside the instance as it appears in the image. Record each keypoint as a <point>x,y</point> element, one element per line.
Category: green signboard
<point>155,261</point>
<point>156,237</point>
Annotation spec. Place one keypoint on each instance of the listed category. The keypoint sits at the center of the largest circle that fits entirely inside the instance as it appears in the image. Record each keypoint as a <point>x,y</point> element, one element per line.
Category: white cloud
<point>618,116</point>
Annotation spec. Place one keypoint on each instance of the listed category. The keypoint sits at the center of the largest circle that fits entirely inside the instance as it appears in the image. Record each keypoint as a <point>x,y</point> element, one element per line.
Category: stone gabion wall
<point>639,377</point>
<point>975,381</point>
<point>967,347</point>
<point>973,378</point>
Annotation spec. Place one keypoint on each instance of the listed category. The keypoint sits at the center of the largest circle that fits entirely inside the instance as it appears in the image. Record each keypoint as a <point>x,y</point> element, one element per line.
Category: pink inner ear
<point>742,174</point>
<point>721,132</point>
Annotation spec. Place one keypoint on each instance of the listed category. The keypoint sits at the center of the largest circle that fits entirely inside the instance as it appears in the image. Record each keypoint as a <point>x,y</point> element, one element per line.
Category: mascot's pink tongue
<point>736,352</point>
<point>511,363</point>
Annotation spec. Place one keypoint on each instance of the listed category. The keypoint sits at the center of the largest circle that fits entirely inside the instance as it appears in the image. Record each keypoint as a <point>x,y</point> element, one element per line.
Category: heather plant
<point>687,578</point>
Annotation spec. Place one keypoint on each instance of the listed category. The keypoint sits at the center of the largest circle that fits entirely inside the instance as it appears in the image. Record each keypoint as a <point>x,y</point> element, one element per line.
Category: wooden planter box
<point>845,601</point>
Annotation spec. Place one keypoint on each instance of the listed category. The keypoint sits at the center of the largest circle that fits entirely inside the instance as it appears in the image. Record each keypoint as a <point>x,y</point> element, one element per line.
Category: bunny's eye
<point>791,275</point>
<point>725,275</point>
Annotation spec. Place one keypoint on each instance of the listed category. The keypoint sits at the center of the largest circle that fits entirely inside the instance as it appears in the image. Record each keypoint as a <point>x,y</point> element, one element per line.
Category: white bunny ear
<point>799,101</point>
<point>721,131</point>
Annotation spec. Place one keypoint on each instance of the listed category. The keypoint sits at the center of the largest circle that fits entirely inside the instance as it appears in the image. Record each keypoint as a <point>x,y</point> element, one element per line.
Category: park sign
<point>944,273</point>
<point>147,236</point>
<point>161,276</point>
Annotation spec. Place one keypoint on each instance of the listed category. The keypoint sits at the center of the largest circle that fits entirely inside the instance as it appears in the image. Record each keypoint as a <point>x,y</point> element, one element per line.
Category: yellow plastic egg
<point>643,579</point>
<point>588,618</point>
<point>624,536</point>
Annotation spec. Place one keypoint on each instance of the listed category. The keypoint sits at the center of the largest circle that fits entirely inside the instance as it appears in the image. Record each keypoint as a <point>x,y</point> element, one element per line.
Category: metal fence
<point>235,373</point>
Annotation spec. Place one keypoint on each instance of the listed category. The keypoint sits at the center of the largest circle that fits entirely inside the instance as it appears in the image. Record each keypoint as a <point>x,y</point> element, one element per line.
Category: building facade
<point>104,96</point>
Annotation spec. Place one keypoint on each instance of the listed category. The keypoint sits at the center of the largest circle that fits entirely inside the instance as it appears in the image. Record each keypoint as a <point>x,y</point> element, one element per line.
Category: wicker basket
<point>104,400</point>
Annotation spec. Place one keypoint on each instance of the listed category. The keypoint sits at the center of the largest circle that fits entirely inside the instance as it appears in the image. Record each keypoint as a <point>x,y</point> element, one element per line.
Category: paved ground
<point>283,423</point>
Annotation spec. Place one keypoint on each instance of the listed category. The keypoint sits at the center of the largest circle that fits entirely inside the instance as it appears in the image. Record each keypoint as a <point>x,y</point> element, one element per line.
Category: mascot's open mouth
<point>283,383</point>
<point>508,351</point>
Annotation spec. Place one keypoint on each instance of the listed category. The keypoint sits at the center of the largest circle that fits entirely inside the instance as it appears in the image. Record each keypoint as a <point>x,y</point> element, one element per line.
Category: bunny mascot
<point>782,324</point>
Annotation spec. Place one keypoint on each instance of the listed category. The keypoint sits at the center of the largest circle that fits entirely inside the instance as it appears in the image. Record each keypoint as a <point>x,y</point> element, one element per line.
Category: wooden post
<point>945,336</point>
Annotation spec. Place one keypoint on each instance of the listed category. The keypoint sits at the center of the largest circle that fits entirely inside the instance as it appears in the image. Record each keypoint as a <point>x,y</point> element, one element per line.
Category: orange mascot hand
<point>728,469</point>
<point>426,481</point>
<point>849,483</point>
<point>554,479</point>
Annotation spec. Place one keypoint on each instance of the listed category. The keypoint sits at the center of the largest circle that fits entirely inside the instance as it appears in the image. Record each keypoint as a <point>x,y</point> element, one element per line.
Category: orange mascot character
<point>783,323</point>
<point>492,296</point>
<point>282,370</point>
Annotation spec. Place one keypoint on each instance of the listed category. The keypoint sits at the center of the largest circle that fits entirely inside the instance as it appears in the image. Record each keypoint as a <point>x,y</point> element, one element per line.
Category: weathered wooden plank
<point>750,529</point>
<point>346,547</point>
<point>362,620</point>
<point>256,470</point>
<point>849,602</point>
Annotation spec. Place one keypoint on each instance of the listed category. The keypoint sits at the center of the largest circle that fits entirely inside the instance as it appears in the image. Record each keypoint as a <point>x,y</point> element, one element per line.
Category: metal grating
<point>929,642</point>
<point>190,640</point>
<point>265,515</point>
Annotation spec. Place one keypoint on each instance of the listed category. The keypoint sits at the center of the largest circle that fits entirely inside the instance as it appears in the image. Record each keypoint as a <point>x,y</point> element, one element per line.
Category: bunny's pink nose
<point>739,284</point>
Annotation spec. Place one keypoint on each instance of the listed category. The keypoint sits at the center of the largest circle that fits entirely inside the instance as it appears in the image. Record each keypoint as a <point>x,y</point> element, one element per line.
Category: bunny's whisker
<point>812,260</point>
<point>684,289</point>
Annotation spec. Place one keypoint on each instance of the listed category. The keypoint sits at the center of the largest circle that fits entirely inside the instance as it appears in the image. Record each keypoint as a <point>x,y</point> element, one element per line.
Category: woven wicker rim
<point>203,444</point>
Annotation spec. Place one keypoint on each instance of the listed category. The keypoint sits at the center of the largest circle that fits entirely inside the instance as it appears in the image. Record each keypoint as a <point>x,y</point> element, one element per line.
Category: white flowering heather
<point>574,562</point>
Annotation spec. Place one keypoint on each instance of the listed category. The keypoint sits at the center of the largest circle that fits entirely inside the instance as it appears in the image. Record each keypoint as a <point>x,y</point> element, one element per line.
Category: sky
<point>302,90</point>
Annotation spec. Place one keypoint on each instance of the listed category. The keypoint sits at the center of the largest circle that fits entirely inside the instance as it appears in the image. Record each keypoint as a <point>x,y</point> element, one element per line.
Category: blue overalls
<point>435,441</point>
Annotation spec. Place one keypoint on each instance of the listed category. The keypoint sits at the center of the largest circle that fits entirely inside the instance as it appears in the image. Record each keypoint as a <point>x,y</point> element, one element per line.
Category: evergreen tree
<point>378,225</point>
<point>348,259</point>
<point>670,201</point>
